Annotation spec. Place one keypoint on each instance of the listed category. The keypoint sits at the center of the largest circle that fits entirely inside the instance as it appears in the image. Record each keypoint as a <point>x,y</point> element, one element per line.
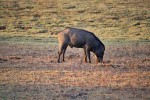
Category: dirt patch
<point>14,57</point>
<point>3,60</point>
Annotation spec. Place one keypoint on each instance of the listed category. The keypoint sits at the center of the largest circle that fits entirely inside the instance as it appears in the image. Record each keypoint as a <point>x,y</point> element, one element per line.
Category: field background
<point>28,50</point>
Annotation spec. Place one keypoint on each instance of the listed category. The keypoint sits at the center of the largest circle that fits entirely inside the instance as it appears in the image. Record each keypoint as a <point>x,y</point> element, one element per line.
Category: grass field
<point>106,18</point>
<point>28,52</point>
<point>30,71</point>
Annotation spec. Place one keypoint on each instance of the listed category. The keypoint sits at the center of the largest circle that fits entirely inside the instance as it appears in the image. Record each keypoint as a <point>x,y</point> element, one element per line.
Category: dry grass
<point>77,78</point>
<point>31,71</point>
<point>107,19</point>
<point>28,53</point>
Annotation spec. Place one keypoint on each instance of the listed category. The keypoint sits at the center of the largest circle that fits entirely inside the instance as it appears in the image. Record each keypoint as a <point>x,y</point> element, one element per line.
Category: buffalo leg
<point>62,49</point>
<point>102,57</point>
<point>63,56</point>
<point>59,54</point>
<point>65,47</point>
<point>85,55</point>
<point>88,54</point>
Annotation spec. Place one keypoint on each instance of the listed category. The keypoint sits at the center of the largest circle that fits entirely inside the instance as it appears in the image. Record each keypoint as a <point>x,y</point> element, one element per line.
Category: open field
<point>109,19</point>
<point>28,52</point>
<point>30,70</point>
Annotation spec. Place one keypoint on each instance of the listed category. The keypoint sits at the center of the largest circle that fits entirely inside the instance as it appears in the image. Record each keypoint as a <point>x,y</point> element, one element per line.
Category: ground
<point>30,71</point>
<point>29,48</point>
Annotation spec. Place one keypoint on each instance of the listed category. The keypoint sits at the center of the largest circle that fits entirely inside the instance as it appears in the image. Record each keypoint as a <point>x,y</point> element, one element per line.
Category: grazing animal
<point>80,39</point>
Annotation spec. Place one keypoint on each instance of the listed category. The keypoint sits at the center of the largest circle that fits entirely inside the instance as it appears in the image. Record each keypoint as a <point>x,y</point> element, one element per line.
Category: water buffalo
<point>80,38</point>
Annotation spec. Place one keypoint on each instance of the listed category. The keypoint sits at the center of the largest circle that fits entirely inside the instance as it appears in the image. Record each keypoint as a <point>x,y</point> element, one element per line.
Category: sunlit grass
<point>107,19</point>
<point>77,78</point>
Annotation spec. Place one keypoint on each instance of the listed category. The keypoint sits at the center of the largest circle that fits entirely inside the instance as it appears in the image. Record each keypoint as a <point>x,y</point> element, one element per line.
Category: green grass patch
<point>109,19</point>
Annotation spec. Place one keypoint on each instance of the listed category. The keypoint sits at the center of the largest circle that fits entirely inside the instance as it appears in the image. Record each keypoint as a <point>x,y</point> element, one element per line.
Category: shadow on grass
<point>61,92</point>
